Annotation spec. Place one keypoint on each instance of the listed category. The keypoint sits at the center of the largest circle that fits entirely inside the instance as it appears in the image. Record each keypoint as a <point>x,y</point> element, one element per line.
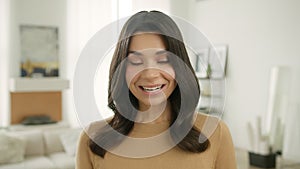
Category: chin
<point>154,102</point>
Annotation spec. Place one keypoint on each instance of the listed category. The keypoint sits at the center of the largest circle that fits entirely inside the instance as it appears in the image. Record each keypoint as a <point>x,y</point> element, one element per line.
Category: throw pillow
<point>69,141</point>
<point>34,141</point>
<point>13,151</point>
<point>52,141</point>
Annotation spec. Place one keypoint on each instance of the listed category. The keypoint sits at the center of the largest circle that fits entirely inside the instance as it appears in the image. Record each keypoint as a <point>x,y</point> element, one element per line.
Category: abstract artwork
<point>39,51</point>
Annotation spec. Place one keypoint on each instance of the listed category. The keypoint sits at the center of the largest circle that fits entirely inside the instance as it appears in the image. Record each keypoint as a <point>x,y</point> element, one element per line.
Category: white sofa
<point>45,149</point>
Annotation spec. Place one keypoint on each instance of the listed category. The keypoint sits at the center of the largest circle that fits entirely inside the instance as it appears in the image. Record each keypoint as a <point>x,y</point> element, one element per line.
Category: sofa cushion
<point>14,149</point>
<point>52,141</point>
<point>34,142</point>
<point>33,162</point>
<point>62,160</point>
<point>38,162</point>
<point>69,141</point>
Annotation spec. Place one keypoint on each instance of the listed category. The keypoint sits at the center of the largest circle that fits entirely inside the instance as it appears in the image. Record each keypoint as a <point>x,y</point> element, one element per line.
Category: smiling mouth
<point>152,88</point>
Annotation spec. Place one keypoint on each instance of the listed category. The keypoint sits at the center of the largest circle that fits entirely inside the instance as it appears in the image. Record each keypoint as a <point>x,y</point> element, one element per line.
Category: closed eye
<point>163,61</point>
<point>135,63</point>
<point>162,57</point>
<point>134,59</point>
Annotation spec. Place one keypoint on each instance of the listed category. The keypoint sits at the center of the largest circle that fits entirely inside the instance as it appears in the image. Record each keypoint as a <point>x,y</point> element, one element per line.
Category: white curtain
<point>84,19</point>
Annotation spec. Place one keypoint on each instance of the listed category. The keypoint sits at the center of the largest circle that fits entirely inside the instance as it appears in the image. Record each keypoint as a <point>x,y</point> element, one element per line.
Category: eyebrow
<point>135,53</point>
<point>141,54</point>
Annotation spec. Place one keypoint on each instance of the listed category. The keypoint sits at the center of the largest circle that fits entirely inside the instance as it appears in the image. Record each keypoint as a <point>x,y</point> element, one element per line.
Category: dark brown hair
<point>154,22</point>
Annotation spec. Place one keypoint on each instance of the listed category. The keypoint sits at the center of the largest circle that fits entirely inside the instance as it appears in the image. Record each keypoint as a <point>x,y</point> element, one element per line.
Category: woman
<point>153,92</point>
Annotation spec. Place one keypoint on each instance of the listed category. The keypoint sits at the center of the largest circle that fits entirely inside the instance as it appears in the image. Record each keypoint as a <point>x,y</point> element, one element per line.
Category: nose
<point>150,73</point>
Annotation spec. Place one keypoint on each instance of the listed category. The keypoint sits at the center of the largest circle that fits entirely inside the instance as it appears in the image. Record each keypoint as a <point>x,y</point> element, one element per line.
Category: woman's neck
<point>154,113</point>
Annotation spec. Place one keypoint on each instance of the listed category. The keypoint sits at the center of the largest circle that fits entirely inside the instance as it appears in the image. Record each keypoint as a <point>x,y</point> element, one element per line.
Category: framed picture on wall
<point>217,61</point>
<point>39,51</point>
<point>202,62</point>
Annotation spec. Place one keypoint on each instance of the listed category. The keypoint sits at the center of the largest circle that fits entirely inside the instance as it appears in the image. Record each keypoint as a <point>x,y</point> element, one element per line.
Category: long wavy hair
<point>159,23</point>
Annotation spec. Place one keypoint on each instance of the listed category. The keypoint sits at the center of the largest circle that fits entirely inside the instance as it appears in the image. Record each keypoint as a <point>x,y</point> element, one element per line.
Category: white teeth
<point>152,89</point>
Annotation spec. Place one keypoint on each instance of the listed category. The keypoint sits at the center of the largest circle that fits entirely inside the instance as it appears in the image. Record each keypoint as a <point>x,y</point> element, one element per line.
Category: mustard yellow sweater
<point>219,155</point>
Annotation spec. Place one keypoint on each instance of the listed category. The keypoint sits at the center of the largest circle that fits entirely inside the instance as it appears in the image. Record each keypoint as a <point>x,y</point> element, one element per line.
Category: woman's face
<point>149,74</point>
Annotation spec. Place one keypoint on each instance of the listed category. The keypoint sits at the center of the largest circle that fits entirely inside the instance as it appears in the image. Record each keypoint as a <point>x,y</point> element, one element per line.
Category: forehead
<point>144,41</point>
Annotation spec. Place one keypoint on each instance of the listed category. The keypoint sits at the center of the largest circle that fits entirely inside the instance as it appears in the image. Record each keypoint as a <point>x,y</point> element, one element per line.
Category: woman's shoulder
<point>202,120</point>
<point>85,158</point>
<point>90,130</point>
<point>221,144</point>
<point>211,126</point>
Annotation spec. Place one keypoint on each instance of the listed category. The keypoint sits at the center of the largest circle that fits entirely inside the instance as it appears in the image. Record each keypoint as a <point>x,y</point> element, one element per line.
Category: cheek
<point>130,74</point>
<point>169,71</point>
<point>132,71</point>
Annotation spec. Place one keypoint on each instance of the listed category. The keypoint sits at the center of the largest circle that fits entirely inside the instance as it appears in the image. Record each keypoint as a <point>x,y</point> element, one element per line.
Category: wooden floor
<point>243,162</point>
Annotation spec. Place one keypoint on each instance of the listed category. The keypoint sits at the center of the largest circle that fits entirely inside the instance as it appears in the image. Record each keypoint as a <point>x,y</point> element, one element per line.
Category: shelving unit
<point>38,84</point>
<point>211,97</point>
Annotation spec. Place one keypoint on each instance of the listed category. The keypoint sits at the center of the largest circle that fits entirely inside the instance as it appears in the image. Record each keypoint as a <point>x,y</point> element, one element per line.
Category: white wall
<point>4,62</point>
<point>260,34</point>
<point>179,8</point>
<point>146,5</point>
